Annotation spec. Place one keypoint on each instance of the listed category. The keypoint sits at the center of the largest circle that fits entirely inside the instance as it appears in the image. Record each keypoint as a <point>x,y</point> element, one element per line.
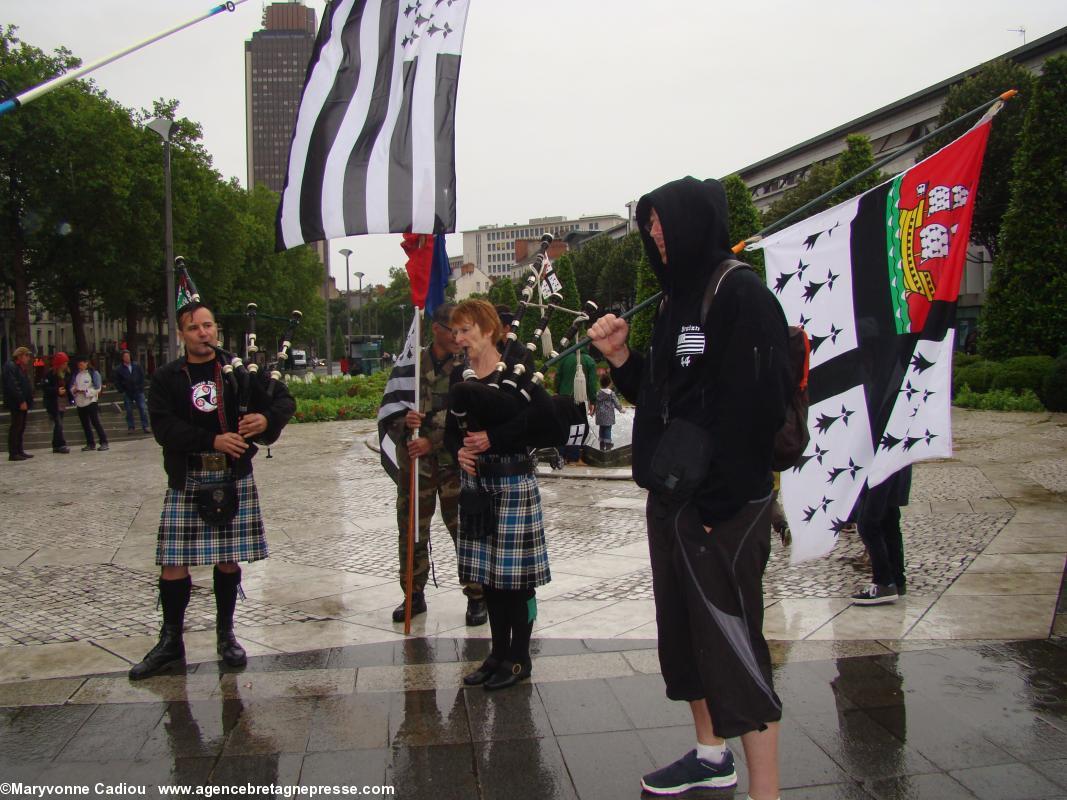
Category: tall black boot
<point>518,666</point>
<point>226,584</point>
<point>170,649</point>
<point>500,628</point>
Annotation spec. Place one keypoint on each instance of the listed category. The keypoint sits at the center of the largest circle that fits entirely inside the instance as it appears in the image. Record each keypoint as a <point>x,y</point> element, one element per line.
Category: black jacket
<point>53,403</point>
<point>171,412</point>
<point>132,382</point>
<point>732,374</point>
<point>17,387</point>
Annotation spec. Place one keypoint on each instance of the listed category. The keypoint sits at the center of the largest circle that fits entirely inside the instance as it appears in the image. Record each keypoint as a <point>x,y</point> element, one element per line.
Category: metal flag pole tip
<point>11,103</point>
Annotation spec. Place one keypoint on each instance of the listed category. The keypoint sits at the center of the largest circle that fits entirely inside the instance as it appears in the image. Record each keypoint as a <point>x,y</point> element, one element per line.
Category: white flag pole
<point>32,94</point>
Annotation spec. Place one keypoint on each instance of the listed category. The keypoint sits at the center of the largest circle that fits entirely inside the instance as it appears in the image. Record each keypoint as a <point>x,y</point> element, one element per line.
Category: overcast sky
<point>570,107</point>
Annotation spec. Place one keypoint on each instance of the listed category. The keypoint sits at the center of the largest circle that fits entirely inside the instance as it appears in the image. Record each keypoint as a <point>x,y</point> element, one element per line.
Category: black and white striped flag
<point>373,149</point>
<point>398,398</point>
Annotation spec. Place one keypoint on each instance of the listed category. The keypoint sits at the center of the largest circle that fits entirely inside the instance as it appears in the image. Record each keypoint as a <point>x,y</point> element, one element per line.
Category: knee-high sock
<point>174,597</point>
<point>523,610</point>
<point>226,584</point>
<point>499,622</point>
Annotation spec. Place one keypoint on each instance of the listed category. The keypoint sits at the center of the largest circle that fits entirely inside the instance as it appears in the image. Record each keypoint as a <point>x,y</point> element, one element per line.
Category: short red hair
<point>482,314</point>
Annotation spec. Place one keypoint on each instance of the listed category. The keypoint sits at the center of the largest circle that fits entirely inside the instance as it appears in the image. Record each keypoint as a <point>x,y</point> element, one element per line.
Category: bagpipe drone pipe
<point>515,387</point>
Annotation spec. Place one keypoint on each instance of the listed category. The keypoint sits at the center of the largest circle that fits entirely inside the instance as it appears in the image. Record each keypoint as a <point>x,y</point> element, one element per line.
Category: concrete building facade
<point>493,248</point>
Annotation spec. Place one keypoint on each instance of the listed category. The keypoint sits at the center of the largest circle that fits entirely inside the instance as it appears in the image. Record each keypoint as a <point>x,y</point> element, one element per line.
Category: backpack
<point>791,440</point>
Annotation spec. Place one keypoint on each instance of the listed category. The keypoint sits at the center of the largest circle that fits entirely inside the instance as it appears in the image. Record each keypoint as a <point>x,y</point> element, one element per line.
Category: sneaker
<point>88,447</point>
<point>63,449</point>
<point>103,447</point>
<point>690,772</point>
<point>875,595</point>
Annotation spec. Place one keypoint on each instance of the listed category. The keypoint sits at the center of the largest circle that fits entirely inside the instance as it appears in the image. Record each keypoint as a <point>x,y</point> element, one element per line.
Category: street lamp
<point>362,330</point>
<point>348,297</point>
<point>164,128</point>
<point>403,328</point>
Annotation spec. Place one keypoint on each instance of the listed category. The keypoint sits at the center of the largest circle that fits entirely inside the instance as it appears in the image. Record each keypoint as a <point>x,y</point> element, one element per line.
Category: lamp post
<point>348,297</point>
<point>403,328</point>
<point>362,330</point>
<point>164,128</point>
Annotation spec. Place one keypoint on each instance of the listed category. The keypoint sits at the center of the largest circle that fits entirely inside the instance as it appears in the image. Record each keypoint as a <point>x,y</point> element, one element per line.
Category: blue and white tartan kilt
<point>185,540</point>
<point>516,556</point>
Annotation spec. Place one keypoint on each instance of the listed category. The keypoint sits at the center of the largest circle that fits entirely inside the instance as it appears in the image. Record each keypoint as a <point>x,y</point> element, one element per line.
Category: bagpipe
<point>241,373</point>
<point>515,385</point>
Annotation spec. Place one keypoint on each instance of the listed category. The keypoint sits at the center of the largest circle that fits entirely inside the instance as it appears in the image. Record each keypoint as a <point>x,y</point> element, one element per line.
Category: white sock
<point>713,753</point>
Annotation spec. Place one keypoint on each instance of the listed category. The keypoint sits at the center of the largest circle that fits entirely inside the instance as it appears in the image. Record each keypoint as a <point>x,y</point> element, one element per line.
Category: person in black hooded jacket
<point>729,374</point>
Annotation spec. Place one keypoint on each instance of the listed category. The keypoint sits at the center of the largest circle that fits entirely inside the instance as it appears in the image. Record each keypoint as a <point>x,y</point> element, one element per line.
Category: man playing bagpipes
<point>438,471</point>
<point>211,512</point>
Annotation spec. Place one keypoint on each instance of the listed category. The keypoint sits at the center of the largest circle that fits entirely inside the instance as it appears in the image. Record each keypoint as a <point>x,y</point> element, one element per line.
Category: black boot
<point>418,606</point>
<point>170,649</point>
<point>500,628</point>
<point>227,646</point>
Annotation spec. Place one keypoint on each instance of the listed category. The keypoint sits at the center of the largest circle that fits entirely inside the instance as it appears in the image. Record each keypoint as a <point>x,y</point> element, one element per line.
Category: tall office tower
<point>276,60</point>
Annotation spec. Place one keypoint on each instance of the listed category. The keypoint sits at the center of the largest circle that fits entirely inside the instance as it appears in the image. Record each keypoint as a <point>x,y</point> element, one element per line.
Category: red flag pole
<point>413,482</point>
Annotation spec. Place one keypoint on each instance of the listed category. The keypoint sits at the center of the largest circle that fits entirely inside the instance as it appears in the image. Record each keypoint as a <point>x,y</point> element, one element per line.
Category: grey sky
<point>575,107</point>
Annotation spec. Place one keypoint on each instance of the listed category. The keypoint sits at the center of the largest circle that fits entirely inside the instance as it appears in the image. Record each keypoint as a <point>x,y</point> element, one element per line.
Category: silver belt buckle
<point>215,462</point>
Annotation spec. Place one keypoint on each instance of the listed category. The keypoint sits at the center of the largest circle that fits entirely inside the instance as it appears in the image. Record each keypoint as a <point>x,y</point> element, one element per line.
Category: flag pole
<point>413,482</point>
<point>10,104</point>
<point>737,248</point>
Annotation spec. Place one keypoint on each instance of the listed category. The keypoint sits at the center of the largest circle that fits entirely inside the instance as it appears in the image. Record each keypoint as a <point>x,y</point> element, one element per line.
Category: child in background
<point>85,388</point>
<point>606,405</point>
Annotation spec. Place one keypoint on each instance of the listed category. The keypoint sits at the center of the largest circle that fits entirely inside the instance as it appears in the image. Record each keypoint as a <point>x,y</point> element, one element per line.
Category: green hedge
<point>1054,390</point>
<point>327,399</point>
<point>1015,375</point>
<point>997,400</point>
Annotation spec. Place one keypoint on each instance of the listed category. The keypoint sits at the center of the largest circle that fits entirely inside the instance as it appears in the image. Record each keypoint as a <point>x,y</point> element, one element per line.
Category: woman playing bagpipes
<point>492,427</point>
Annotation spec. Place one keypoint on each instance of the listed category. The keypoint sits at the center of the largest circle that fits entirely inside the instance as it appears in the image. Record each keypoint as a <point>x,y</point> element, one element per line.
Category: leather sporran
<point>477,518</point>
<point>217,502</point>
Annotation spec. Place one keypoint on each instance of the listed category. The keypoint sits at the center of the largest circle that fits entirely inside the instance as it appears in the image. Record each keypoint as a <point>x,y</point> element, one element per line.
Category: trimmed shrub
<point>1023,372</point>
<point>997,400</point>
<point>978,375</point>
<point>960,359</point>
<point>1054,390</point>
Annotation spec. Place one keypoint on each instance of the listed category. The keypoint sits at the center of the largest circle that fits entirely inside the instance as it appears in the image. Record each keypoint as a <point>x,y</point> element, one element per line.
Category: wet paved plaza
<point>957,691</point>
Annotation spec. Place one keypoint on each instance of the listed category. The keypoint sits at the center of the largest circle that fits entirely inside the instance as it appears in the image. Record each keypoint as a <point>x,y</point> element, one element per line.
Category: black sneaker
<point>103,447</point>
<point>690,772</point>
<point>88,447</point>
<point>875,595</point>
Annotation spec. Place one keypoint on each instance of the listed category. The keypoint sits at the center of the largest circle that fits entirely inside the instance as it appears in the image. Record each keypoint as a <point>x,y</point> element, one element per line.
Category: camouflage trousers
<point>440,483</point>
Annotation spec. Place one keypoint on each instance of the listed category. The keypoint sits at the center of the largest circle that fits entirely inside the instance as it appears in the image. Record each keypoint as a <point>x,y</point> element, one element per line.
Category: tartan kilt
<point>185,540</point>
<point>516,556</point>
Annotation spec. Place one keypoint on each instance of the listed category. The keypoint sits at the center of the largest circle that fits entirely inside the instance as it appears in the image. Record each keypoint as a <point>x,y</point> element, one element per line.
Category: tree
<point>1026,306</point>
<point>994,189</point>
<point>588,261</point>
<point>821,178</point>
<point>502,293</point>
<point>560,321</point>
<point>641,323</point>
<point>617,281</point>
<point>744,219</point>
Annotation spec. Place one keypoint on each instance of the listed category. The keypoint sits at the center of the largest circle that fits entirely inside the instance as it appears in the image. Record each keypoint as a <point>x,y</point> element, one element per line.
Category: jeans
<point>90,418</point>
<point>129,400</point>
<point>58,440</point>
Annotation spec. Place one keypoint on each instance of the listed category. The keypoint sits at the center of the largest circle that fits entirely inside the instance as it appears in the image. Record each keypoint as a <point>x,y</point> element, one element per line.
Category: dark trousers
<point>880,531</point>
<point>709,611</point>
<point>16,432</point>
<point>58,439</point>
<point>131,400</point>
<point>90,418</point>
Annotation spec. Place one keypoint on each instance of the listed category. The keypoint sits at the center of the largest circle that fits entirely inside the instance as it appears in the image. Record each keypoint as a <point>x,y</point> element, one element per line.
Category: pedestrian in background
<point>604,411</point>
<point>85,389</point>
<point>18,398</point>
<point>129,379</point>
<point>57,399</point>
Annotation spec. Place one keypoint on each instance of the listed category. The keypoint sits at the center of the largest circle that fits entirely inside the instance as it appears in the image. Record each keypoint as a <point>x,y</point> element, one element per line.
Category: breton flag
<point>373,148</point>
<point>399,398</point>
<point>874,282</point>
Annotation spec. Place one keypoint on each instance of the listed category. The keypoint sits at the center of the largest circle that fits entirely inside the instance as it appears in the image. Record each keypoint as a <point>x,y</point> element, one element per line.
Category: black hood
<point>696,234</point>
